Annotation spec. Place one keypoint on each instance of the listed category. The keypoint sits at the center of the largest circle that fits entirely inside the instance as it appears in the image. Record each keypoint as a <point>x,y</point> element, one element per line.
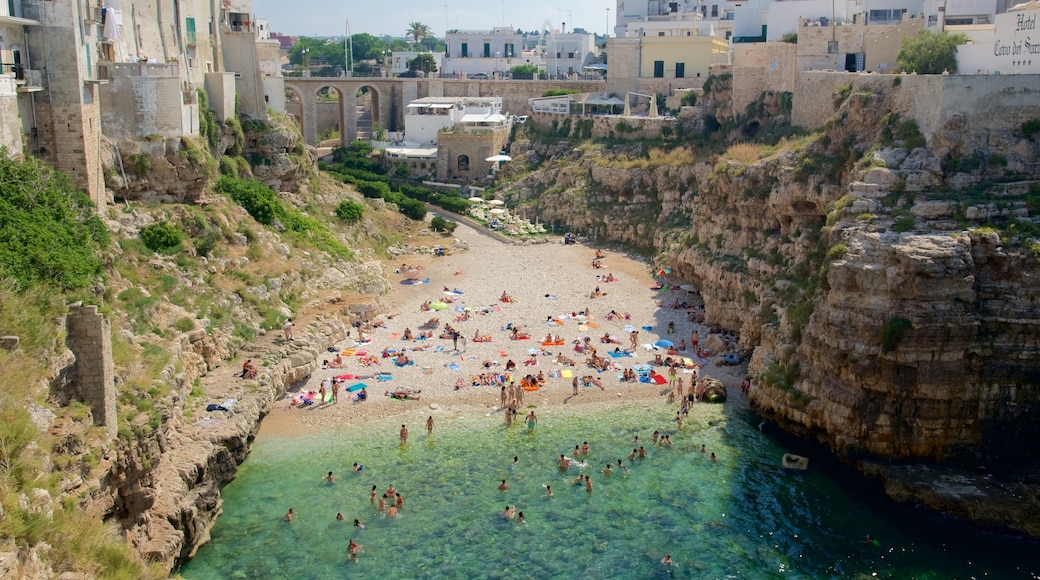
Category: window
<point>487,50</point>
<point>832,47</point>
<point>680,70</point>
<point>570,55</point>
<point>189,27</point>
<point>463,163</point>
<point>510,51</point>
<point>660,34</point>
<point>658,69</point>
<point>465,50</point>
<point>714,10</point>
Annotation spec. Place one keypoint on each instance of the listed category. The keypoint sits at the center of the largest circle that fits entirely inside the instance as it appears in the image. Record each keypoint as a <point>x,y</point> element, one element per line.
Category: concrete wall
<point>477,146</point>
<point>623,70</point>
<point>698,53</point>
<point>10,118</point>
<point>606,125</point>
<point>762,66</point>
<point>274,93</point>
<point>998,102</point>
<point>240,57</point>
<point>220,91</point>
<point>141,100</point>
<point>90,340</point>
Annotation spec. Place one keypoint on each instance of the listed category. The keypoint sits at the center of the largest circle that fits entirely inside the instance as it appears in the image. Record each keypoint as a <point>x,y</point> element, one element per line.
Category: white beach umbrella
<point>497,202</point>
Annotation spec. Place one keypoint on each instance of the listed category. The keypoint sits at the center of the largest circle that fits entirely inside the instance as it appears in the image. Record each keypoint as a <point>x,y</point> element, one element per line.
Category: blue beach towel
<point>356,387</point>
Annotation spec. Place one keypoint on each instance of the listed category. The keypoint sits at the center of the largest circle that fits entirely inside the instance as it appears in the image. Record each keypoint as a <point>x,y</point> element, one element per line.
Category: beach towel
<point>328,396</point>
<point>566,374</point>
<point>550,297</point>
<point>659,379</point>
<point>533,351</point>
<point>361,353</point>
<point>593,325</point>
<point>583,328</point>
<point>555,374</point>
<point>356,387</point>
<point>648,328</point>
<point>347,377</point>
<point>384,377</point>
<point>438,348</point>
<point>348,352</point>
<point>629,328</point>
<point>618,354</point>
<point>395,335</point>
<point>454,367</point>
<point>553,343</point>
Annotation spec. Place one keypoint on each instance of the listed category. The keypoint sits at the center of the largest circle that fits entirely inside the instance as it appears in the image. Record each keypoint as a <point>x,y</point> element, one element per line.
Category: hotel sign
<point>1017,43</point>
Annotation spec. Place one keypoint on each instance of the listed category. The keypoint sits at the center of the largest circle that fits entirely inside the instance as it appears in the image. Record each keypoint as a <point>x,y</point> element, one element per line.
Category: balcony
<point>20,13</point>
<point>27,80</point>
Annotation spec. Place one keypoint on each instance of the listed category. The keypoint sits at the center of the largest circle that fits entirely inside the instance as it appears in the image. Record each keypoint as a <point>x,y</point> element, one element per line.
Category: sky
<point>325,18</point>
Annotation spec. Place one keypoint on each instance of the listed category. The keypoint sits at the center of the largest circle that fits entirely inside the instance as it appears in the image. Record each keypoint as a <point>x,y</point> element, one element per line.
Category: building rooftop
<point>460,101</point>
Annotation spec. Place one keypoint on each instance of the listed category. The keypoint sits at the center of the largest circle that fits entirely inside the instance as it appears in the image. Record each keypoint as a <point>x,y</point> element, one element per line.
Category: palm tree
<point>418,31</point>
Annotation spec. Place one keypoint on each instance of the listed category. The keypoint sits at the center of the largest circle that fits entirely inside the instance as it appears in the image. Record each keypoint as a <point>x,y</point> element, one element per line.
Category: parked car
<point>479,76</point>
<point>410,74</point>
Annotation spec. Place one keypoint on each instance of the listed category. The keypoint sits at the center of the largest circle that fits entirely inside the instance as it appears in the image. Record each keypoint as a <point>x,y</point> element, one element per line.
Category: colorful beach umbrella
<point>664,271</point>
<point>664,343</point>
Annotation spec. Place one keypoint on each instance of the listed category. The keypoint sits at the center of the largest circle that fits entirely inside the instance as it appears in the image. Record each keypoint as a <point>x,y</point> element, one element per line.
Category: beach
<point>550,285</point>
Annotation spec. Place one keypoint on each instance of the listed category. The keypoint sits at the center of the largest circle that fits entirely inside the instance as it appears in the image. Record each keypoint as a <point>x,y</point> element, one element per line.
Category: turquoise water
<point>739,517</point>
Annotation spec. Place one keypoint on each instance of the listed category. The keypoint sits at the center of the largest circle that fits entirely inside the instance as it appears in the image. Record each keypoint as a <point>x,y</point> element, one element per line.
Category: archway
<point>329,116</point>
<point>367,113</point>
<point>294,105</point>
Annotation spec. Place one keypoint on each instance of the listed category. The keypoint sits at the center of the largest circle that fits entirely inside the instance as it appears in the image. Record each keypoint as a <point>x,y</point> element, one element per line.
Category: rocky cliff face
<point>886,289</point>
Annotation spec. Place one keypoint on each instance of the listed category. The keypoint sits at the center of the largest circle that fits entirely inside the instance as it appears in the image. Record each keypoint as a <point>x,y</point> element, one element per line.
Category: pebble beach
<point>550,285</point>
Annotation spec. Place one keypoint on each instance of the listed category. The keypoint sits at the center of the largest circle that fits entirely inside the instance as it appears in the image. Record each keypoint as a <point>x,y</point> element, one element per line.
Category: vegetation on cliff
<point>184,287</point>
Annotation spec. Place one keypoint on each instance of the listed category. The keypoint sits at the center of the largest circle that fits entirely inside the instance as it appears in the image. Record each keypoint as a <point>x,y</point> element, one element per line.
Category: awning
<point>430,105</point>
<point>477,118</point>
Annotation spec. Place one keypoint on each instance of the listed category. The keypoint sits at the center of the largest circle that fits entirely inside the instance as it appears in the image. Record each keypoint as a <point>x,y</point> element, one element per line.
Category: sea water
<point>741,516</point>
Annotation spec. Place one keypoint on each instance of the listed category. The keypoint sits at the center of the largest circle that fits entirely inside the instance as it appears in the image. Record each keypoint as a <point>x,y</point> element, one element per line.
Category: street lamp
<point>306,62</point>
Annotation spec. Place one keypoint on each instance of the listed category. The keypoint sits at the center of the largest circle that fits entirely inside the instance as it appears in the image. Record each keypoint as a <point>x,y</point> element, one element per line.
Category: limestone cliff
<point>883,280</point>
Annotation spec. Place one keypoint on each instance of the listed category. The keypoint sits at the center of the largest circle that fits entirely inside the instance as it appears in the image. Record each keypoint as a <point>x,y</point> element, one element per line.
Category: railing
<point>106,71</point>
<point>24,76</point>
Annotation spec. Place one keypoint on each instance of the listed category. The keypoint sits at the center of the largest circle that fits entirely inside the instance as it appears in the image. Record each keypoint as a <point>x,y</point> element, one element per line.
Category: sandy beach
<point>549,282</point>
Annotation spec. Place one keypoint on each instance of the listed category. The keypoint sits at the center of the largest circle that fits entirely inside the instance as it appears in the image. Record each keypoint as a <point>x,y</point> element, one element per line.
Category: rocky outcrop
<point>165,489</point>
<point>884,314</point>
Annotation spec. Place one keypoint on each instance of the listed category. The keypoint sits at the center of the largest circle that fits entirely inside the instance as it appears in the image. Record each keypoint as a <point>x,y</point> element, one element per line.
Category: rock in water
<point>714,391</point>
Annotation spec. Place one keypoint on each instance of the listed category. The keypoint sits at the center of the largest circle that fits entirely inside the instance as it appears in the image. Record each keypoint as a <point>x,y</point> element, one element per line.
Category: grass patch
<point>892,332</point>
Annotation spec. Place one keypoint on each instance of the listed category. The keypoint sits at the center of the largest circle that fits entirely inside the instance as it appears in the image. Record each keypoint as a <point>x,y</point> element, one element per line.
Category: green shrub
<point>49,232</point>
<point>228,166</point>
<point>374,189</point>
<point>162,238</point>
<point>239,136</point>
<point>412,208</point>
<point>837,252</point>
<point>350,211</point>
<point>689,99</point>
<point>624,127</point>
<point>1031,128</point>
<point>790,37</point>
<point>140,164</point>
<point>559,92</point>
<point>892,332</point>
<point>903,223</point>
<point>184,324</point>
<point>439,224</point>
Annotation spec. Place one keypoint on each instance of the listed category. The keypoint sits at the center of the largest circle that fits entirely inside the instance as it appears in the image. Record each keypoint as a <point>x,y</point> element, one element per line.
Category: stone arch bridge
<point>388,99</point>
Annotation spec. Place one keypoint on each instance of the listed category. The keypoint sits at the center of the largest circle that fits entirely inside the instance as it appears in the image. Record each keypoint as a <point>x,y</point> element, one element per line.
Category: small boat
<point>792,461</point>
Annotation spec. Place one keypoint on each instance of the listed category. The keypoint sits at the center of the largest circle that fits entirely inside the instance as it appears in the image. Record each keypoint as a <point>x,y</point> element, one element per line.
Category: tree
<point>524,71</point>
<point>418,31</point>
<point>314,52</point>
<point>423,62</point>
<point>365,46</point>
<point>930,52</point>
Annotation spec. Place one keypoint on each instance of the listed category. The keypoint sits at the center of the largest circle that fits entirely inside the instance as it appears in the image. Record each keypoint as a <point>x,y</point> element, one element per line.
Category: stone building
<point>75,73</point>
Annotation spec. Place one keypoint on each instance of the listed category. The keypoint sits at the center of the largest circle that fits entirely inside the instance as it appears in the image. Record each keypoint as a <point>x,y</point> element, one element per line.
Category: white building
<point>1010,46</point>
<point>399,61</point>
<point>425,118</point>
<point>493,52</point>
<point>567,53</point>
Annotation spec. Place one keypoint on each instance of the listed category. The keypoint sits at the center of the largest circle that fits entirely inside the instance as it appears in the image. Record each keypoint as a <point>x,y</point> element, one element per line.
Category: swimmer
<point>291,515</point>
<point>642,452</point>
<point>358,467</point>
<point>578,480</point>
<point>564,464</point>
<point>509,513</point>
<point>531,420</point>
<point>391,511</point>
<point>358,524</point>
<point>621,465</point>
<point>404,435</point>
<point>515,460</point>
<point>607,470</point>
<point>353,548</point>
<point>632,456</point>
<point>713,458</point>
<point>330,478</point>
<point>429,425</point>
<point>667,560</point>
<point>382,503</point>
<point>520,518</point>
<point>372,496</point>
<point>340,518</point>
<point>702,448</point>
<point>503,486</point>
<point>548,490</point>
<point>585,449</point>
<point>400,501</point>
<point>655,436</point>
<point>390,491</point>
<point>588,484</point>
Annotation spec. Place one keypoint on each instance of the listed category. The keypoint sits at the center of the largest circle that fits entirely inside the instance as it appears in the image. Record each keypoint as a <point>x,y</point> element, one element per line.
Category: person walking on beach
<point>287,329</point>
<point>455,340</point>
<point>633,339</point>
<point>462,341</point>
<point>532,420</point>
<point>429,425</point>
<point>404,435</point>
